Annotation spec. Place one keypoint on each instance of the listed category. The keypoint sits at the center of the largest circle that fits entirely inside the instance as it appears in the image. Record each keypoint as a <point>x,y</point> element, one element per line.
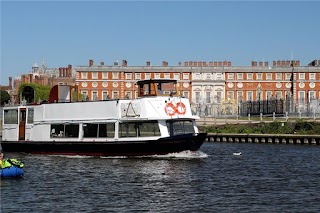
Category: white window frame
<point>302,76</point>
<point>278,76</point>
<point>115,75</point>
<point>288,76</point>
<point>177,76</point>
<point>137,76</point>
<point>157,75</point>
<point>269,76</point>
<point>84,75</point>
<point>94,97</point>
<point>185,76</point>
<point>105,75</point>
<point>219,76</point>
<point>249,95</point>
<point>259,76</point>
<point>167,75</point>
<point>312,76</point>
<point>147,76</point>
<point>239,76</point>
<point>249,76</point>
<point>128,76</point>
<point>94,75</point>
<point>230,76</point>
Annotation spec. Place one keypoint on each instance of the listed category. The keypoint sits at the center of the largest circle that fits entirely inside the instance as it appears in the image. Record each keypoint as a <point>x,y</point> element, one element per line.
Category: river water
<point>265,178</point>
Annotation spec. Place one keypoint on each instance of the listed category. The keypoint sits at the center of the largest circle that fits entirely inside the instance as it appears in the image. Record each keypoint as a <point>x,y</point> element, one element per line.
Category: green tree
<point>5,97</point>
<point>42,92</point>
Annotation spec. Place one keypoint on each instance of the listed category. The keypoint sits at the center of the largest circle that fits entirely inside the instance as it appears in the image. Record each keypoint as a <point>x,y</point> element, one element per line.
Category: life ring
<point>179,109</point>
<point>170,109</point>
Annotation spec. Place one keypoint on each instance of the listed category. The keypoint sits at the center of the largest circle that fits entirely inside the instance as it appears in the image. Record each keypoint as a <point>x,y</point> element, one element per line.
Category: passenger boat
<point>158,122</point>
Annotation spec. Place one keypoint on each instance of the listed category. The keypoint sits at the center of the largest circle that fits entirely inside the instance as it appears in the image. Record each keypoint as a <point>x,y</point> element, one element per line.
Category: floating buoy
<point>237,153</point>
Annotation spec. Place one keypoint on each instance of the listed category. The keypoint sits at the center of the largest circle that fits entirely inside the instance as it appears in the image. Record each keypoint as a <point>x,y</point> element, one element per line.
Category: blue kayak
<point>11,172</point>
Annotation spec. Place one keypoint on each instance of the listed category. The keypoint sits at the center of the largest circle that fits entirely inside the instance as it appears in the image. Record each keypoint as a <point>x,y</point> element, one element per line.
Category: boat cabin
<point>157,87</point>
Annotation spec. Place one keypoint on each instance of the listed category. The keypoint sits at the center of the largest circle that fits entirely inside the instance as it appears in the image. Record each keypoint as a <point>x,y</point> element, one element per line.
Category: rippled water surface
<point>265,178</point>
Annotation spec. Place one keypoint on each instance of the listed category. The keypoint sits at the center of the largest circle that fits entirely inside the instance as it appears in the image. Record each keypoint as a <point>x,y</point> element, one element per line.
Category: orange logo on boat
<point>172,109</point>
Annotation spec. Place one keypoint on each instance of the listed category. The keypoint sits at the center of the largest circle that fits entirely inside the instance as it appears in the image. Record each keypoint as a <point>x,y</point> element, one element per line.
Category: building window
<point>128,95</point>
<point>105,75</point>
<point>186,94</point>
<point>288,76</point>
<point>269,95</point>
<point>147,76</point>
<point>94,75</point>
<point>249,95</point>
<point>230,94</point>
<point>128,76</point>
<point>219,76</point>
<point>208,76</point>
<point>301,97</point>
<point>312,95</point>
<point>197,97</point>
<point>269,76</point>
<point>301,76</point>
<point>312,76</point>
<point>185,76</point>
<point>115,75</point>
<point>230,76</point>
<point>240,76</point>
<point>259,95</point>
<point>278,95</point>
<point>137,76</point>
<point>115,94</point>
<point>157,75</point>
<point>167,75</point>
<point>239,95</point>
<point>279,76</point>
<point>105,95</point>
<point>249,76</point>
<point>85,96</point>
<point>218,97</point>
<point>177,76</point>
<point>208,99</point>
<point>84,75</point>
<point>94,95</point>
<point>197,76</point>
<point>259,76</point>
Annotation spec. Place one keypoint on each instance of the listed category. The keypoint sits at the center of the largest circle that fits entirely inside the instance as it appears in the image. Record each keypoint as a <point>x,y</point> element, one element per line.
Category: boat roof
<point>157,81</point>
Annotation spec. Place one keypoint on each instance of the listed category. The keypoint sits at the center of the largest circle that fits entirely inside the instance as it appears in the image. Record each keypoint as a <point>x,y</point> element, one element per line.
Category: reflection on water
<point>264,178</point>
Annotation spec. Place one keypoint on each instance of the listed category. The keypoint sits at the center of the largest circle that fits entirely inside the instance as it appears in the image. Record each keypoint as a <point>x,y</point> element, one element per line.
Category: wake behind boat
<point>157,123</point>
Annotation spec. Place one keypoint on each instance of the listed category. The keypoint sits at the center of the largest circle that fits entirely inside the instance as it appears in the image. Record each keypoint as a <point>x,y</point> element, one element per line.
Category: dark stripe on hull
<point>162,146</point>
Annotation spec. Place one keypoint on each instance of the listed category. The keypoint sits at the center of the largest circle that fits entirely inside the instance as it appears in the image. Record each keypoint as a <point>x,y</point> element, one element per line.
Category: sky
<point>72,32</point>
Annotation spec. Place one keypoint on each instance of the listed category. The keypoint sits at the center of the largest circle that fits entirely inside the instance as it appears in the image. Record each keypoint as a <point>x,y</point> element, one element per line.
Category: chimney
<point>186,63</point>
<point>90,62</point>
<point>260,64</point>
<point>225,63</point>
<point>283,63</point>
<point>210,64</point>
<point>253,63</point>
<point>204,64</point>
<point>179,63</point>
<point>148,63</point>
<point>199,64</point>
<point>274,63</point>
<point>10,82</point>
<point>190,63</point>
<point>266,64</point>
<point>194,63</point>
<point>298,63</point>
<point>288,63</point>
<point>115,63</point>
<point>229,63</point>
<point>101,63</point>
<point>215,63</point>
<point>124,63</point>
<point>220,63</point>
<point>60,72</point>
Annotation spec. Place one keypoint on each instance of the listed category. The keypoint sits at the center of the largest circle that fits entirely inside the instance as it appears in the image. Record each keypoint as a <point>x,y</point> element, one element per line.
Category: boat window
<point>64,130</point>
<point>180,127</point>
<point>10,116</point>
<point>139,129</point>
<point>98,130</point>
<point>30,115</point>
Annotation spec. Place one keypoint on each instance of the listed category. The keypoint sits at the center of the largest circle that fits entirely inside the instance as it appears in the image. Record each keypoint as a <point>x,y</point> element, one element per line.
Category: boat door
<point>22,123</point>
